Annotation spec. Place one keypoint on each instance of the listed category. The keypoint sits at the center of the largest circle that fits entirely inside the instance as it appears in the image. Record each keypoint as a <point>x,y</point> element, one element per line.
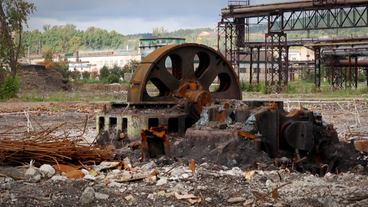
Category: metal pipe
<point>345,53</point>
<point>346,63</point>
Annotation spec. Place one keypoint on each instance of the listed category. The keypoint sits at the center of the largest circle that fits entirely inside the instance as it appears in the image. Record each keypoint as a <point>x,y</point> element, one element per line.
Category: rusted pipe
<point>302,5</point>
<point>363,63</point>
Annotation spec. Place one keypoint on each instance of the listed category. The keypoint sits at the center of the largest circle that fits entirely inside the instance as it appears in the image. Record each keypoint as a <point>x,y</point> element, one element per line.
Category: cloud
<point>128,16</point>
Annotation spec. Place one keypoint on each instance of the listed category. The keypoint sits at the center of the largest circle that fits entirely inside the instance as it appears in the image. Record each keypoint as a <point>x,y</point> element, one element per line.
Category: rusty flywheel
<point>184,71</point>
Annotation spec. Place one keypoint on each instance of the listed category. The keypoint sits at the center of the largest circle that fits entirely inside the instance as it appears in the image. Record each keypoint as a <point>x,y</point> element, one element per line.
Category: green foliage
<point>13,16</point>
<point>159,32</point>
<point>111,75</point>
<point>63,68</point>
<point>86,76</point>
<point>131,66</point>
<point>188,32</point>
<point>117,71</point>
<point>363,90</point>
<point>75,75</point>
<point>68,39</point>
<point>112,78</point>
<point>10,87</point>
<point>47,55</point>
<point>362,77</point>
<point>308,75</point>
<point>291,88</point>
<point>38,96</point>
<point>245,86</point>
<point>104,73</point>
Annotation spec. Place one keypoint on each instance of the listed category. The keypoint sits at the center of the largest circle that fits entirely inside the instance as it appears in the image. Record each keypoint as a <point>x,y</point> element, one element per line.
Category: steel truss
<point>328,18</point>
<point>282,17</point>
<point>228,45</point>
<point>276,60</point>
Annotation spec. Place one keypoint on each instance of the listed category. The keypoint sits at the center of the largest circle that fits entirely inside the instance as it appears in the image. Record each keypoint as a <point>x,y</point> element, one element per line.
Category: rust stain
<point>361,145</point>
<point>292,113</point>
<point>244,134</point>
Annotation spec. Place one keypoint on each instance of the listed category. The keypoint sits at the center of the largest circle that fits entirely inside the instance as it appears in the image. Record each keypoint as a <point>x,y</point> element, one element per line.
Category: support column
<point>317,68</point>
<point>254,65</point>
<point>276,74</point>
<point>337,74</point>
<point>228,44</point>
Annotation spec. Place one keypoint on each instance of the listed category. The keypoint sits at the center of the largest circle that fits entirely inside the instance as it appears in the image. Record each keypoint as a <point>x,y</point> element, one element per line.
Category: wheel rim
<point>184,77</point>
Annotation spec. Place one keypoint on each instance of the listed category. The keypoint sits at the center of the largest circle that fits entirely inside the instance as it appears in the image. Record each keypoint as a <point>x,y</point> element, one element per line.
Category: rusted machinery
<point>198,95</point>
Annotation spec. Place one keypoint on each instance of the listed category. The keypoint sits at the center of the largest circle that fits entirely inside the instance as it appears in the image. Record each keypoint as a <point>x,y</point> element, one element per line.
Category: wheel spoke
<point>187,63</point>
<point>166,78</point>
<point>210,74</point>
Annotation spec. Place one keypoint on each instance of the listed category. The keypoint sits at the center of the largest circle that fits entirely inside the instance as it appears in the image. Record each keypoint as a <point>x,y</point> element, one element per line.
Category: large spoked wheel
<point>184,70</point>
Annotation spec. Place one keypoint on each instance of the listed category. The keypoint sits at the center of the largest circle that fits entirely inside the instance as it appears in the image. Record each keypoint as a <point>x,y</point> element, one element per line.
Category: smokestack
<point>40,47</point>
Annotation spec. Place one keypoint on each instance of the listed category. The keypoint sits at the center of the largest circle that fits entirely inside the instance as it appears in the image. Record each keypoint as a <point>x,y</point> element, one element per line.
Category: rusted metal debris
<point>155,142</point>
<point>361,145</point>
<point>46,148</point>
<point>187,105</point>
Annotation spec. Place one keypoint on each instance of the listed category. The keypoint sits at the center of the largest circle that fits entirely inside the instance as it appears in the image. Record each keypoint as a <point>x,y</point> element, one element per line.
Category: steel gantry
<point>280,18</point>
<point>341,57</point>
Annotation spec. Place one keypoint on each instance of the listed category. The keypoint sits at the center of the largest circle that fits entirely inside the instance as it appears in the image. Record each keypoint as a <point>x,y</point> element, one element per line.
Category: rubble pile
<point>226,173</point>
<point>123,183</point>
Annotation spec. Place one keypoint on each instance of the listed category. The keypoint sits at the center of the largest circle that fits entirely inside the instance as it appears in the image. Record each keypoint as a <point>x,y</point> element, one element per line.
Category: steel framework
<point>282,17</point>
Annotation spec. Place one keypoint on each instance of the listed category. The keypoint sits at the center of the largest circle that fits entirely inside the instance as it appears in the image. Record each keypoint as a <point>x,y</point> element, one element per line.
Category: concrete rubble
<point>147,184</point>
<point>171,182</point>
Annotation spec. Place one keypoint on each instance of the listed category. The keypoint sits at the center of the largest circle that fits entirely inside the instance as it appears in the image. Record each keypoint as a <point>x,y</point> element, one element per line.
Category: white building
<point>94,61</point>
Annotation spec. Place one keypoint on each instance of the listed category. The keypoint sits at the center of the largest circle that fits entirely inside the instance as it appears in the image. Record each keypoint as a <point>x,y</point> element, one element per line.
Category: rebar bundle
<point>49,146</point>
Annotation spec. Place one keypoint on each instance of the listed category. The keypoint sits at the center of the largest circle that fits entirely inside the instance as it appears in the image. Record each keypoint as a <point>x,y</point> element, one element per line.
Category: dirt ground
<point>212,183</point>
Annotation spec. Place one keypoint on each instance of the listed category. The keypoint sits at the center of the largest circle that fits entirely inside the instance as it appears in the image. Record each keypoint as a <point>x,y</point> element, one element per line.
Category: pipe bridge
<point>280,18</point>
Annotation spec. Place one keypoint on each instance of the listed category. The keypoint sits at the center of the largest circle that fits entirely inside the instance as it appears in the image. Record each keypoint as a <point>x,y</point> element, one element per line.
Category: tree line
<point>68,39</point>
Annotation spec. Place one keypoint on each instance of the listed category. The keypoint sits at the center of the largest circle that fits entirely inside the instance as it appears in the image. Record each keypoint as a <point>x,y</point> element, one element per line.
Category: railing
<point>237,3</point>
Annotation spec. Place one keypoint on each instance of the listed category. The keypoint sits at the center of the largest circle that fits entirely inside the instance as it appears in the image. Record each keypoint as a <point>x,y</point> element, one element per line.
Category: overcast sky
<point>130,16</point>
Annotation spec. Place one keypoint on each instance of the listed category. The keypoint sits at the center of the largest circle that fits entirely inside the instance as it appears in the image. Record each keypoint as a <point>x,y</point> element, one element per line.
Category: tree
<point>155,32</point>
<point>48,62</point>
<point>163,32</point>
<point>13,14</point>
<point>104,72</point>
<point>86,76</point>
<point>131,66</point>
<point>112,78</point>
<point>117,71</point>
<point>159,31</point>
<point>63,68</point>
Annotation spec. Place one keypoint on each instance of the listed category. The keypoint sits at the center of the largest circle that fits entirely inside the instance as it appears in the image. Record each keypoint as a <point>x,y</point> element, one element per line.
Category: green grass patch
<point>299,89</point>
<point>61,96</point>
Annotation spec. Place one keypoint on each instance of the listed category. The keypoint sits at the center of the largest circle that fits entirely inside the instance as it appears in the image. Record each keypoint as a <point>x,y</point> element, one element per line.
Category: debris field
<point>55,165</point>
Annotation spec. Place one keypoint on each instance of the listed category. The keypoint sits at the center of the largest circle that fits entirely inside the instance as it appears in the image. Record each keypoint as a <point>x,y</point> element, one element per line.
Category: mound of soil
<point>39,77</point>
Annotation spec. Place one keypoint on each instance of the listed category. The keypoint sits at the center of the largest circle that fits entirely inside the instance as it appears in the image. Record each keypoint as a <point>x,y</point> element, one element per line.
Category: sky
<point>130,16</point>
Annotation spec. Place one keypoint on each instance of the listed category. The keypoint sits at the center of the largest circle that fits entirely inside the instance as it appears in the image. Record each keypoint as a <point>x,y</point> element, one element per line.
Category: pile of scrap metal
<point>188,103</point>
<point>49,147</point>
